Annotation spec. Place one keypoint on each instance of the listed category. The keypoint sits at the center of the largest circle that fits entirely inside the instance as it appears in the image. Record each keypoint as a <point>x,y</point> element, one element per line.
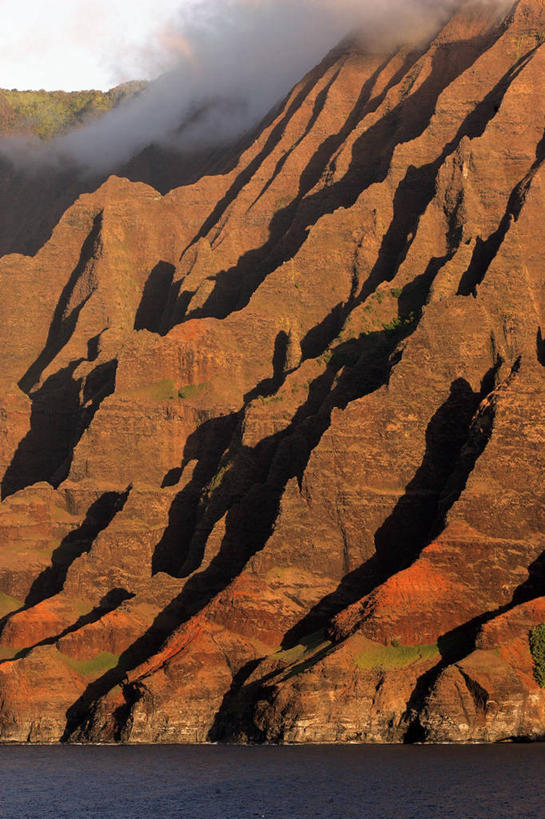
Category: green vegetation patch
<point>49,113</point>
<point>166,390</point>
<point>537,648</point>
<point>82,606</point>
<point>308,646</point>
<point>7,653</point>
<point>217,480</point>
<point>95,666</point>
<point>191,390</point>
<point>410,80</point>
<point>9,604</point>
<point>400,322</point>
<point>385,658</point>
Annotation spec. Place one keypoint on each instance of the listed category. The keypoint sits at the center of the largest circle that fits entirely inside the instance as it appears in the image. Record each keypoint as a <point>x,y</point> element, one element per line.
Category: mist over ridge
<point>229,62</point>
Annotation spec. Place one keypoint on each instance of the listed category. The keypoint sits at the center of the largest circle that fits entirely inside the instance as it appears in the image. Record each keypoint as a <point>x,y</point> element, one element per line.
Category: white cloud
<point>77,44</point>
<point>230,59</point>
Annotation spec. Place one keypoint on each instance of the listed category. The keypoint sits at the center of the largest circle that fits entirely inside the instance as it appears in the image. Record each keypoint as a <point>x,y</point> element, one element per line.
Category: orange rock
<point>272,443</point>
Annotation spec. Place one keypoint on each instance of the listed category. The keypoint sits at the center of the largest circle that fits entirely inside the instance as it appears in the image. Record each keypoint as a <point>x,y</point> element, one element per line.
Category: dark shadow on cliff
<point>110,602</point>
<point>99,516</point>
<point>233,721</point>
<point>154,298</point>
<point>206,447</point>
<point>248,488</point>
<point>413,195</point>
<point>288,112</point>
<point>407,530</point>
<point>62,409</point>
<point>34,199</point>
<point>540,347</point>
<point>460,642</point>
<point>418,516</point>
<point>319,104</point>
<point>418,188</point>
<point>365,105</point>
<point>455,439</point>
<point>249,496</point>
<point>486,250</point>
<point>63,325</point>
<point>254,479</point>
<point>270,386</point>
<point>47,446</point>
<point>370,163</point>
<point>250,521</point>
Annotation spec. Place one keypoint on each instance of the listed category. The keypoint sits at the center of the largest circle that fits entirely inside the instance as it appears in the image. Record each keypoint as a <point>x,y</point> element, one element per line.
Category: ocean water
<point>231,782</point>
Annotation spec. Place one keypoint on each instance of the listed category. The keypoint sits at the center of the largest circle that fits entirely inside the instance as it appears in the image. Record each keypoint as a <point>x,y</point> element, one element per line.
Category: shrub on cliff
<point>537,647</point>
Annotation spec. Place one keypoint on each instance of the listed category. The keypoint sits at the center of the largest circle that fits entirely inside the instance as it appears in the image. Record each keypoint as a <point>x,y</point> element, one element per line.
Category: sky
<point>80,44</point>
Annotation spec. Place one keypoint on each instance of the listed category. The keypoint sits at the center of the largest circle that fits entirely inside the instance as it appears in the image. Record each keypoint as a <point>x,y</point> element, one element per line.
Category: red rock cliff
<point>272,444</point>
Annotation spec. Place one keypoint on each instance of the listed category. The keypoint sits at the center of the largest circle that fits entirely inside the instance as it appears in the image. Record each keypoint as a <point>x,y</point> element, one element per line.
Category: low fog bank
<point>231,61</point>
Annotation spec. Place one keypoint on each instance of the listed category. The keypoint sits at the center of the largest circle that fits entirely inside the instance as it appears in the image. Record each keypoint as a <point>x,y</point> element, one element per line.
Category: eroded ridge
<point>271,442</point>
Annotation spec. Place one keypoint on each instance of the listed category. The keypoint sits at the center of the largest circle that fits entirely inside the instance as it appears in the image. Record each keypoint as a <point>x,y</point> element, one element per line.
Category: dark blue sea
<point>232,782</point>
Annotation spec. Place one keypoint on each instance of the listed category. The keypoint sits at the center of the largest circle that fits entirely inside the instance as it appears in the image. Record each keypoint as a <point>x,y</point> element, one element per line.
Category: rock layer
<point>272,443</point>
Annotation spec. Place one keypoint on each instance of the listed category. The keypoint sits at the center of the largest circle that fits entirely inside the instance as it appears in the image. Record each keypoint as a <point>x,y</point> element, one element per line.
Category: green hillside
<point>50,113</point>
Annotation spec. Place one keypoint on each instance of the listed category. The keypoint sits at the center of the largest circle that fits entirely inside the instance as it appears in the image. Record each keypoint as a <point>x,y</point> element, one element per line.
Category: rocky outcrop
<point>271,443</point>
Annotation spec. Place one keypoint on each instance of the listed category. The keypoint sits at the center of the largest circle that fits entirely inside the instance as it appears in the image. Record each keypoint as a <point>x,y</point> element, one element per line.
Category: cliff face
<point>272,444</point>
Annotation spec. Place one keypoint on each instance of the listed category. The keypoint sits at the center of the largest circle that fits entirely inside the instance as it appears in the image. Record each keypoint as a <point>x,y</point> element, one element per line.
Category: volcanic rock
<point>272,442</point>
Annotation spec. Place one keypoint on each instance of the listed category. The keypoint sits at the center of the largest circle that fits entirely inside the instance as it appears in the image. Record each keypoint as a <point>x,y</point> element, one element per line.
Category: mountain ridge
<point>270,442</point>
<point>47,114</point>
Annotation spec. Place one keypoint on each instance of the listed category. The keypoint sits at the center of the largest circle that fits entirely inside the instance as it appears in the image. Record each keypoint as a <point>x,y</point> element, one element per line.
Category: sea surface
<point>229,782</point>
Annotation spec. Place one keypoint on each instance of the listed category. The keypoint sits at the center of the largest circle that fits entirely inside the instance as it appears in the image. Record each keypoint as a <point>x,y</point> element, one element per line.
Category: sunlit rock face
<point>272,443</point>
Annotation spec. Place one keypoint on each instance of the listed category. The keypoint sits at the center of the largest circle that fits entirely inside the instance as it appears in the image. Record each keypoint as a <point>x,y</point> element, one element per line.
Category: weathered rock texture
<point>273,443</point>
<point>37,188</point>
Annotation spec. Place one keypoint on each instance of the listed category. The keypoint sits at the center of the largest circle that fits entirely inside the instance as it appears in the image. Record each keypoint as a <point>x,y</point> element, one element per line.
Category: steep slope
<point>37,188</point>
<point>271,443</point>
